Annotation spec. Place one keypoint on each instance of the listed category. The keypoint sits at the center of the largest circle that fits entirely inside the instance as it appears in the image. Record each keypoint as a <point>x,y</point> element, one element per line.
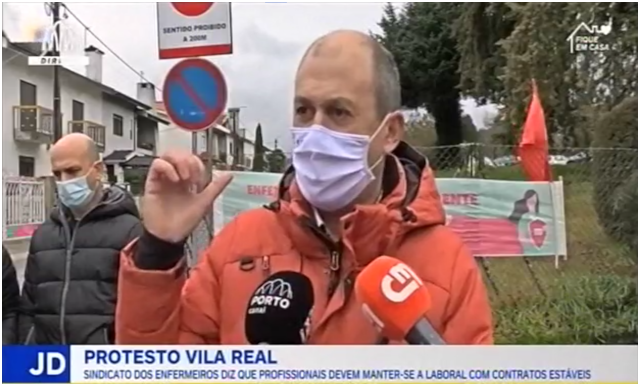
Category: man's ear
<point>99,166</point>
<point>395,131</point>
<point>99,170</point>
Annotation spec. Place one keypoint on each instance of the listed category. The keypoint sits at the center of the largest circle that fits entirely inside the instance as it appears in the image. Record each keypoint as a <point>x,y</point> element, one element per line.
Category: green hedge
<point>627,197</point>
<point>580,310</point>
<point>612,170</point>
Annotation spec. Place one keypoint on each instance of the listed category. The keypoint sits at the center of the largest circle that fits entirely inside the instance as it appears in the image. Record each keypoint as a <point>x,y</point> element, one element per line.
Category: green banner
<point>494,218</point>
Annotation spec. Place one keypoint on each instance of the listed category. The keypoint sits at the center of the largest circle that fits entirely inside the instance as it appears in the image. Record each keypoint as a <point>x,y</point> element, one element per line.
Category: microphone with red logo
<point>395,299</point>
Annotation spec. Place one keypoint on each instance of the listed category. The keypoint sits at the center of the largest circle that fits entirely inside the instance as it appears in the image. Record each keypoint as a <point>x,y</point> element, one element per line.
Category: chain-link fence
<point>595,286</point>
<point>199,240</point>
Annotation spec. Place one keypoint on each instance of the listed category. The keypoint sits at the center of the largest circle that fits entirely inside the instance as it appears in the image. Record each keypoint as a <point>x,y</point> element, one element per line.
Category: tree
<point>420,37</point>
<point>479,31</point>
<point>615,171</point>
<point>469,129</point>
<point>503,46</point>
<point>276,161</point>
<point>420,132</point>
<point>259,164</point>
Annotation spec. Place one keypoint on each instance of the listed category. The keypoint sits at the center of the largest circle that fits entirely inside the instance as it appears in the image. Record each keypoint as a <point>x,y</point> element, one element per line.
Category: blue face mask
<point>75,193</point>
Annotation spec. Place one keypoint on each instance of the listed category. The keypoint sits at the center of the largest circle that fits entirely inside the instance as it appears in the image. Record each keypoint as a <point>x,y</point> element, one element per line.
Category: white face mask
<point>332,169</point>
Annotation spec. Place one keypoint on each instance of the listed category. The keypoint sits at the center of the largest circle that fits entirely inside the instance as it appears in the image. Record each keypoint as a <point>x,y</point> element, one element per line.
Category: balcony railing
<point>95,131</point>
<point>33,124</point>
<point>248,162</point>
<point>147,146</point>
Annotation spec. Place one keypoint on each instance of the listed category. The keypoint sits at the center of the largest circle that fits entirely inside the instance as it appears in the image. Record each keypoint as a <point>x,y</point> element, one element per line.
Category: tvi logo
<point>49,363</point>
<point>59,38</point>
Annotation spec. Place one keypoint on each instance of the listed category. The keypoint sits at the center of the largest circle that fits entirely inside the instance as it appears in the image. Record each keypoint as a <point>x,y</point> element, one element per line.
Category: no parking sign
<point>194,94</point>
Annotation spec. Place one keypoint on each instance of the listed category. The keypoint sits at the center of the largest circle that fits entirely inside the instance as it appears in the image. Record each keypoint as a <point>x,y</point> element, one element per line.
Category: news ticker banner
<point>494,218</point>
<point>319,364</point>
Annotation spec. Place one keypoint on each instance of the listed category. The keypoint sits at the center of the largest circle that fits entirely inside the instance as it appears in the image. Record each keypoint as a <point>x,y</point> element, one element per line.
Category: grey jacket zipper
<point>71,240</point>
<point>32,329</point>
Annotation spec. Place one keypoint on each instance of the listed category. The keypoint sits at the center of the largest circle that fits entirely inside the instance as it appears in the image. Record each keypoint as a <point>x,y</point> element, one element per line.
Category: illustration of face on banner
<point>537,227</point>
<point>532,229</point>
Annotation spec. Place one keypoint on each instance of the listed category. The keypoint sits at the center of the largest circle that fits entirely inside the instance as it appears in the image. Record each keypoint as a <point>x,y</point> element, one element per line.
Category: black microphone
<point>279,311</point>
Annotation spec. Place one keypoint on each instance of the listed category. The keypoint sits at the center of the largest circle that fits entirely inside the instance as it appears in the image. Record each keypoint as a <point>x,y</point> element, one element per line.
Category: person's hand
<point>174,202</point>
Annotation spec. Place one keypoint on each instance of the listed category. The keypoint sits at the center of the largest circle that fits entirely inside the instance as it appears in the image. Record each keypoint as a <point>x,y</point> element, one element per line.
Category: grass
<point>535,303</point>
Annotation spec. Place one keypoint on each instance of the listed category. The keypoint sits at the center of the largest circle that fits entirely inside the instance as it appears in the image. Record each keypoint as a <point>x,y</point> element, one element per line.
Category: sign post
<point>187,30</point>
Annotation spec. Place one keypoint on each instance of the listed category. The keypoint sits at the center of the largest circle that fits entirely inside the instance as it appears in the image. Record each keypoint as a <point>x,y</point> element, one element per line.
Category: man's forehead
<point>335,72</point>
<point>67,156</point>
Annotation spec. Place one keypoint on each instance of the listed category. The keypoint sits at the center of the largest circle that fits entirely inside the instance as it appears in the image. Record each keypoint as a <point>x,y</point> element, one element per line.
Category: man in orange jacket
<point>355,191</point>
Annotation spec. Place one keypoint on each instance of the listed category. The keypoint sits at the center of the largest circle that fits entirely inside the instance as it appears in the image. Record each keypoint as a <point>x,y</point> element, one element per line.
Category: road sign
<point>192,9</point>
<point>187,30</point>
<point>194,94</point>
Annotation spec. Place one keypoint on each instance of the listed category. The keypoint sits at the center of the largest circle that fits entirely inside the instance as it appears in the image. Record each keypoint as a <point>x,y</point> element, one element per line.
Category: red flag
<point>534,145</point>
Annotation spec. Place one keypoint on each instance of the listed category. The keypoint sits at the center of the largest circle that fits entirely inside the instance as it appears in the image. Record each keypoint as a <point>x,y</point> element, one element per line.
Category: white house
<point>123,127</point>
<point>170,135</point>
<point>223,151</point>
<point>223,144</point>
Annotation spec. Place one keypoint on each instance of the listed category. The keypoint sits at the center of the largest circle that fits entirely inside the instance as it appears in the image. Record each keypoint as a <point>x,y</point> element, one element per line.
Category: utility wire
<point>139,73</point>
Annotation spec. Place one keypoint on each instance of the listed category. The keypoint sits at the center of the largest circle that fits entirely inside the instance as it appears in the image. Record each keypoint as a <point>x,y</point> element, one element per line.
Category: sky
<point>269,41</point>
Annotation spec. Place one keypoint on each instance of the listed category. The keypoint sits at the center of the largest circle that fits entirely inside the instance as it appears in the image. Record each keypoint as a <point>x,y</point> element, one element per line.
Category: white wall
<point>16,70</point>
<point>115,142</point>
<point>96,109</point>
<point>249,151</point>
<point>172,137</point>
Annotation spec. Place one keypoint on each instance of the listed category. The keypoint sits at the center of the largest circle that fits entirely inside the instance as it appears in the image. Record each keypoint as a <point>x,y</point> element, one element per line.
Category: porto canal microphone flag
<point>534,144</point>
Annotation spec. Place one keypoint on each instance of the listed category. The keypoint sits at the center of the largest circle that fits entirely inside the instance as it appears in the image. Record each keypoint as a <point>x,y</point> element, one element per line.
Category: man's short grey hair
<point>387,80</point>
<point>92,151</point>
<point>388,94</point>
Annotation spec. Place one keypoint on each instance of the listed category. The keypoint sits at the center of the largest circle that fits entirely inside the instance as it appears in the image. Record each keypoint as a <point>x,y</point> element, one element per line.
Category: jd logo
<point>50,363</point>
<point>537,232</point>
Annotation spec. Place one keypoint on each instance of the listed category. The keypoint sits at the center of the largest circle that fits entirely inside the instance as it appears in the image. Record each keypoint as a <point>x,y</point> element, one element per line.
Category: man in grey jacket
<point>69,294</point>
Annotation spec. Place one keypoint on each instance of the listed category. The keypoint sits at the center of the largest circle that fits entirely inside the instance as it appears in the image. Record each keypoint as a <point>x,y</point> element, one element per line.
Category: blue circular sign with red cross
<point>194,94</point>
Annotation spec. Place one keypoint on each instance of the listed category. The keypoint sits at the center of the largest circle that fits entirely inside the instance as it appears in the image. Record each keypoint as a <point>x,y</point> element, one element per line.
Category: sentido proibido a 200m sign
<point>187,30</point>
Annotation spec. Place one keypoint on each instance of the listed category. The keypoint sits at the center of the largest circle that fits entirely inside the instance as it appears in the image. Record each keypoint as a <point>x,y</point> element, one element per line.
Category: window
<point>28,118</point>
<point>26,166</point>
<point>118,128</point>
<point>77,116</point>
<point>28,94</point>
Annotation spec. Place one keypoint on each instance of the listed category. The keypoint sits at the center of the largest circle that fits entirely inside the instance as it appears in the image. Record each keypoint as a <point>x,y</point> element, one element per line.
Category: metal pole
<point>234,119</point>
<point>210,169</point>
<point>210,146</point>
<point>57,116</point>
